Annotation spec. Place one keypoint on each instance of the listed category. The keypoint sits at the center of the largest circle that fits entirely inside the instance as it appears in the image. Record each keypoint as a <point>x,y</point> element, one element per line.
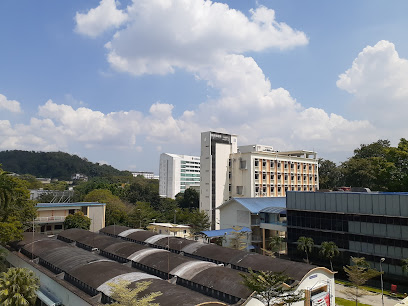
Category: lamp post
<point>382,285</point>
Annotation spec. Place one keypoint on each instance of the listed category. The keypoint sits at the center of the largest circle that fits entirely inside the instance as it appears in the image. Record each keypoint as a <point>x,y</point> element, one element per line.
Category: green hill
<point>55,165</point>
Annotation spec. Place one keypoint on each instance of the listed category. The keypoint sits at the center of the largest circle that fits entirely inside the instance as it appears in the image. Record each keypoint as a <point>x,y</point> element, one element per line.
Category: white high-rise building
<point>177,173</point>
<point>215,153</point>
<point>229,171</point>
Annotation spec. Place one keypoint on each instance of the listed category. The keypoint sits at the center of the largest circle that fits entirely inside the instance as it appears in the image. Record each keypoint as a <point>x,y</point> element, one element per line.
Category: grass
<point>344,302</point>
<point>371,289</point>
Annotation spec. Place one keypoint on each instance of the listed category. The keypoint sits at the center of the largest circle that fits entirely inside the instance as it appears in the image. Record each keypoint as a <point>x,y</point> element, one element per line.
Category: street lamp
<point>382,285</point>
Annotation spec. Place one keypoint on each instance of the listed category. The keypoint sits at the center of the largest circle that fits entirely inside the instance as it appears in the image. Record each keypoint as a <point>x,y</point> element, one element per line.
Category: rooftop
<point>76,204</point>
<point>256,205</point>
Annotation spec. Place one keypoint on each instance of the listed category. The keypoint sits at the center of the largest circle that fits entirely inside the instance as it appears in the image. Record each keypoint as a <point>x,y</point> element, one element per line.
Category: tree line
<point>377,166</point>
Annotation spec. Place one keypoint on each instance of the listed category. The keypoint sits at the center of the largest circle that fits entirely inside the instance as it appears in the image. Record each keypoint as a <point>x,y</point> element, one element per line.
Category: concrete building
<point>266,217</point>
<point>145,174</point>
<point>177,173</point>
<point>176,230</point>
<point>51,216</point>
<point>229,170</point>
<point>215,153</point>
<point>362,224</point>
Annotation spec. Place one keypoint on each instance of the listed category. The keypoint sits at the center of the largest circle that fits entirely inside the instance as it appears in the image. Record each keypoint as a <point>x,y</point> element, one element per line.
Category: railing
<point>47,219</point>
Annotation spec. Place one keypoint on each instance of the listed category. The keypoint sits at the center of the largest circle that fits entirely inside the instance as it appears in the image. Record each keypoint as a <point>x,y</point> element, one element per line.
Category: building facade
<point>177,173</point>
<point>231,171</point>
<point>362,224</point>
<point>51,216</point>
<point>216,149</point>
<point>145,174</point>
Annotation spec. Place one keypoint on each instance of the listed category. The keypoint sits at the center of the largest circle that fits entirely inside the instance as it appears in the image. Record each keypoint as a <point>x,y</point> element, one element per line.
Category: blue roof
<point>255,205</point>
<point>45,205</point>
<point>222,232</point>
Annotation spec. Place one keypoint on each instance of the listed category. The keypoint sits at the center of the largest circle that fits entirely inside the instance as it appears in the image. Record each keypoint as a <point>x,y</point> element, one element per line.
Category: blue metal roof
<point>50,205</point>
<point>274,210</point>
<point>255,205</point>
<point>222,232</point>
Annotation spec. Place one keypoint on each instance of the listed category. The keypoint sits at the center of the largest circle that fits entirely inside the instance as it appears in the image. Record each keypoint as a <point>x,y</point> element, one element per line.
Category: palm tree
<point>18,287</point>
<point>405,265</point>
<point>276,244</point>
<point>329,250</point>
<point>306,245</point>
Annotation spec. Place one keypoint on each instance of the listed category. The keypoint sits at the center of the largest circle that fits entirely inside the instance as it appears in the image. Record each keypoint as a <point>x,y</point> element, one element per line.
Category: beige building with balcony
<point>51,216</point>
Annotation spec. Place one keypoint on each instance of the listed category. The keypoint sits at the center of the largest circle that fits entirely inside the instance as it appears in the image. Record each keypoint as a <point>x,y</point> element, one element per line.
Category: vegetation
<point>16,209</point>
<point>3,255</point>
<point>189,199</point>
<point>57,165</point>
<point>329,250</point>
<point>377,166</point>
<point>344,302</point>
<point>358,274</point>
<point>404,265</point>
<point>77,220</point>
<point>305,244</point>
<point>237,240</point>
<point>18,287</point>
<point>124,296</point>
<point>271,287</point>
<point>276,244</point>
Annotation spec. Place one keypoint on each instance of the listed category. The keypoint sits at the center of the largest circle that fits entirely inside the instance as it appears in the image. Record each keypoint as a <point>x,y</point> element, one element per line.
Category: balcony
<point>52,219</point>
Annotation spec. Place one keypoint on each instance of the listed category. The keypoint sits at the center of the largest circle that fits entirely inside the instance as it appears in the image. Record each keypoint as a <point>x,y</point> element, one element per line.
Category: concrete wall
<point>97,215</point>
<point>229,215</point>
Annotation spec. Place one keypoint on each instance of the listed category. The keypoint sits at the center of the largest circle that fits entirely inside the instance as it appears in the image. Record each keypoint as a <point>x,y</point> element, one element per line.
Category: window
<point>272,164</point>
<point>264,175</point>
<point>298,166</point>
<point>256,162</point>
<point>240,189</point>
<point>229,187</point>
<point>272,189</point>
<point>279,176</point>
<point>48,228</point>
<point>304,167</point>
<point>279,164</point>
<point>229,162</point>
<point>229,175</point>
<point>272,177</point>
<point>292,177</point>
<point>298,177</point>
<point>256,175</point>
<point>263,163</point>
<point>310,167</point>
<point>58,227</point>
<point>291,165</point>
<point>279,189</point>
<point>286,177</point>
<point>286,165</point>
<point>264,189</point>
<point>256,188</point>
<point>242,164</point>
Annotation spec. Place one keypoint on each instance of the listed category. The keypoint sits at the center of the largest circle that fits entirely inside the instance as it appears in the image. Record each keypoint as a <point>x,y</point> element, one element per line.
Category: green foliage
<point>142,190</point>
<point>3,255</point>
<point>329,174</point>
<point>344,302</point>
<point>77,220</point>
<point>190,198</point>
<point>358,274</point>
<point>31,180</point>
<point>143,214</point>
<point>275,244</point>
<point>54,165</point>
<point>198,220</point>
<point>124,296</point>
<point>404,265</point>
<point>271,287</point>
<point>116,210</point>
<point>16,209</point>
<point>329,250</point>
<point>237,240</point>
<point>18,287</point>
<point>305,244</point>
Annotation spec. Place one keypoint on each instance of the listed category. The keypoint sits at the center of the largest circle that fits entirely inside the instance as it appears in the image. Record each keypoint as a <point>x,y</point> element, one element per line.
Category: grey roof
<point>255,205</point>
<point>113,229</point>
<point>274,210</point>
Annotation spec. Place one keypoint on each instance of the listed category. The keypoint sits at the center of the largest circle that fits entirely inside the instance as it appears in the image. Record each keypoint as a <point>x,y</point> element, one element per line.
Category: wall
<point>97,215</point>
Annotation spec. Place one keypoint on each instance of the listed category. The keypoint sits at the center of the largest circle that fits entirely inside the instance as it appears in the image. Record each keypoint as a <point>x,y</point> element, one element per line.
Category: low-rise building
<point>51,216</point>
<point>176,230</point>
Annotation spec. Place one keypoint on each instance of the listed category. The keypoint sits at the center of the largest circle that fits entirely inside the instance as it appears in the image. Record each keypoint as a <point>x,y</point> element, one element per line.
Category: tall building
<point>229,171</point>
<point>177,173</point>
<point>215,153</point>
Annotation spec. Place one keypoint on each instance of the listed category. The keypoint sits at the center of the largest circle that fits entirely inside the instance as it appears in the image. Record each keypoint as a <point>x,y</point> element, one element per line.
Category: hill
<point>55,165</point>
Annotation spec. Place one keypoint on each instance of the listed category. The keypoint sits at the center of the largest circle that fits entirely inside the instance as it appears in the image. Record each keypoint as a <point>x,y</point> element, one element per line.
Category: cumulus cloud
<point>98,20</point>
<point>10,105</point>
<point>378,80</point>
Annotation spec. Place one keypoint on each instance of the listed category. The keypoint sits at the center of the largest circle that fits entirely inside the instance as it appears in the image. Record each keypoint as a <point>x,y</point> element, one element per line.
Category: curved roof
<point>141,235</point>
<point>113,229</point>
<point>125,248</point>
<point>176,243</point>
<point>40,247</point>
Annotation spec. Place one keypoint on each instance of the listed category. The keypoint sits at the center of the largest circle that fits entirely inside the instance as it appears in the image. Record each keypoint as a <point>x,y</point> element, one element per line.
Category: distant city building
<point>229,170</point>
<point>51,216</point>
<point>362,224</point>
<point>55,196</point>
<point>177,173</point>
<point>146,174</point>
<point>79,177</point>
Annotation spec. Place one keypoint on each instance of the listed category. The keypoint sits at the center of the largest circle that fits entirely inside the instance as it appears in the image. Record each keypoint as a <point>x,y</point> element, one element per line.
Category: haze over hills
<point>55,165</point>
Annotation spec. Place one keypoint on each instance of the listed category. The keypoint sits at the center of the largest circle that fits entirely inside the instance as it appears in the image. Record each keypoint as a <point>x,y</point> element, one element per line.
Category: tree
<point>18,286</point>
<point>237,240</point>
<point>17,211</point>
<point>142,214</point>
<point>271,287</point>
<point>77,220</point>
<point>306,245</point>
<point>276,244</point>
<point>197,219</point>
<point>3,255</point>
<point>329,174</point>
<point>190,198</point>
<point>125,296</point>
<point>116,210</point>
<point>358,274</point>
<point>329,250</point>
<point>404,265</point>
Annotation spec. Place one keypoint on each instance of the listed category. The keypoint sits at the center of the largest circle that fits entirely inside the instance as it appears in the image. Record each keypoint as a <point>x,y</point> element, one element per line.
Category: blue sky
<point>121,83</point>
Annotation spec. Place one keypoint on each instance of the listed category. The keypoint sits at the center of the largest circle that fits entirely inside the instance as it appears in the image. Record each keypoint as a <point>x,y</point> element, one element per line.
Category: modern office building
<point>362,224</point>
<point>177,173</point>
<point>229,170</point>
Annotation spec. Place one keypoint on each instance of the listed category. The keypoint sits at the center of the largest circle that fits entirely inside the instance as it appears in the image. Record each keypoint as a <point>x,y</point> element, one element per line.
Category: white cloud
<point>97,20</point>
<point>378,80</point>
<point>10,105</point>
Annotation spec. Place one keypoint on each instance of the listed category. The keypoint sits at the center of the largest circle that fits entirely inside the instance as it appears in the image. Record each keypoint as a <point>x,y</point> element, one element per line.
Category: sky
<point>122,82</point>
